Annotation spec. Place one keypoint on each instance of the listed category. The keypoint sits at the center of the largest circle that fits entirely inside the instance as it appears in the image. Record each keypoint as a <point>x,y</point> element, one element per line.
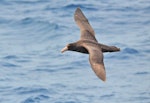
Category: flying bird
<point>89,45</point>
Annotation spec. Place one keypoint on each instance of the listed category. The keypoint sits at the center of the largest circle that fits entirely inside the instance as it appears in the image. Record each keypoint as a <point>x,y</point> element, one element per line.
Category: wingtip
<point>78,9</point>
<point>104,80</point>
<point>99,70</point>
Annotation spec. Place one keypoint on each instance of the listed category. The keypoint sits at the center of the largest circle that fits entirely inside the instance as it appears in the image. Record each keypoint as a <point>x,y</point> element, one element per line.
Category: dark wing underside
<point>86,30</point>
<point>96,60</point>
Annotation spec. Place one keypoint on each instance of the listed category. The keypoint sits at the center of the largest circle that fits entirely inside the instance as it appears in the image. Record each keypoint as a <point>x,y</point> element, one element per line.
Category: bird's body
<point>89,45</point>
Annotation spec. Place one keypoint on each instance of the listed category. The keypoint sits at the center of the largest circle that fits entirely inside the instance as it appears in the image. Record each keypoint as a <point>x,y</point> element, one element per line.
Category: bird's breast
<point>81,50</point>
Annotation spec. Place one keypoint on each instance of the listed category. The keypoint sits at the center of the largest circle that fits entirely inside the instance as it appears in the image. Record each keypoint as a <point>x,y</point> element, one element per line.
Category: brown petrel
<point>89,45</point>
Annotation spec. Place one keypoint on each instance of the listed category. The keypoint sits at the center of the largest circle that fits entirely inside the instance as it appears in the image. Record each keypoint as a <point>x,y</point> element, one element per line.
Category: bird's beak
<point>64,49</point>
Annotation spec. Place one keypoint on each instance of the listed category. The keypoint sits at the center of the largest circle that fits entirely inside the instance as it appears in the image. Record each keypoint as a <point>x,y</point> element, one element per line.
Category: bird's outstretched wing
<point>86,30</point>
<point>96,60</point>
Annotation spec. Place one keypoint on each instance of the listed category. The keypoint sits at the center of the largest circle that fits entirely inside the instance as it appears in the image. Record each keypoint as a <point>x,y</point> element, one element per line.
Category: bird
<point>88,44</point>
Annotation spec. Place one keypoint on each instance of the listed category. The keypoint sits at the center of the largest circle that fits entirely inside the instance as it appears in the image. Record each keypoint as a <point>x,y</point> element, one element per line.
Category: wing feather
<point>96,60</point>
<point>85,28</point>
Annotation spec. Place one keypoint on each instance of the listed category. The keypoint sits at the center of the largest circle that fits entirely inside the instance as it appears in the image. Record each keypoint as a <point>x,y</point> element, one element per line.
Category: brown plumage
<point>89,45</point>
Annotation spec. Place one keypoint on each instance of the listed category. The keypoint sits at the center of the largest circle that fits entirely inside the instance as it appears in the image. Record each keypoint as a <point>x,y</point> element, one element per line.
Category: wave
<point>85,6</point>
<point>130,51</point>
<point>72,6</point>
<point>8,65</point>
<point>36,99</point>
<point>31,90</point>
<point>142,73</point>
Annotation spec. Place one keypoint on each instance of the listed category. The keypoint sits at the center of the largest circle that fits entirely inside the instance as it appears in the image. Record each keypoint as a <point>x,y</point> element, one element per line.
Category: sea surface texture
<point>33,70</point>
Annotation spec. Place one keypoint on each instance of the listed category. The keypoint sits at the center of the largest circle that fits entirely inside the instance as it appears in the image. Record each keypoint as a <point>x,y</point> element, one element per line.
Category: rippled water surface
<point>33,70</point>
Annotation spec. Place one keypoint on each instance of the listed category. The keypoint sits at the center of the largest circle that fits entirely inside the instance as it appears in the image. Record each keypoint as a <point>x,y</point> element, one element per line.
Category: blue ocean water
<point>33,70</point>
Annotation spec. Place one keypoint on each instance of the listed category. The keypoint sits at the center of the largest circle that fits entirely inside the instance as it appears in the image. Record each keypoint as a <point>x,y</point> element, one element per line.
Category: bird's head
<point>69,47</point>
